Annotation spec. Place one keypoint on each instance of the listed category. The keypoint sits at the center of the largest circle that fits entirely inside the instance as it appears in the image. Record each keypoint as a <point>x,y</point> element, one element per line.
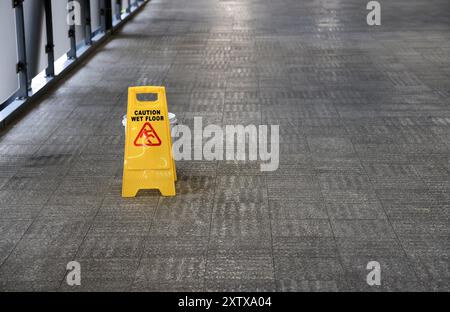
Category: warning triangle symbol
<point>147,136</point>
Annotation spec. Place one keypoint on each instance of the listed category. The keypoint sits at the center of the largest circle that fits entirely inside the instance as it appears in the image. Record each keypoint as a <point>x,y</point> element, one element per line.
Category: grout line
<point>392,227</point>
<point>144,241</point>
<point>213,207</point>
<point>84,237</point>
<point>373,188</point>
<point>336,248</point>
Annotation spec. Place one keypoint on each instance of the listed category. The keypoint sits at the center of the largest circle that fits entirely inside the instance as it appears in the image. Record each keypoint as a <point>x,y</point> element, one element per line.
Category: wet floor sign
<point>148,162</point>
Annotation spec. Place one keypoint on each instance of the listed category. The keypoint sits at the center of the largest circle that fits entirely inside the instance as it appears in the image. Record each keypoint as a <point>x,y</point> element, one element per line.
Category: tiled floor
<point>364,115</point>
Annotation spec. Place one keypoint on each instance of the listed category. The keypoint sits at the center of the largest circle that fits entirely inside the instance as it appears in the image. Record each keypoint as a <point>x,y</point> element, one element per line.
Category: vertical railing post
<point>72,54</point>
<point>102,8</point>
<point>118,10</point>
<point>105,15</point>
<point>49,47</point>
<point>129,6</point>
<point>88,26</point>
<point>21,67</point>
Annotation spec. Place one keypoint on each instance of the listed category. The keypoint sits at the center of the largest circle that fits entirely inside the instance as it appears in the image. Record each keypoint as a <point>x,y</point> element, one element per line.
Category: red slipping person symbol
<point>147,136</point>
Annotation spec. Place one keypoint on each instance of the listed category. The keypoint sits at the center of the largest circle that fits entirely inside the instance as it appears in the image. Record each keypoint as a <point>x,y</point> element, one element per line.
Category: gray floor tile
<point>307,247</point>
<point>238,285</point>
<point>29,286</point>
<point>305,269</point>
<point>57,228</point>
<point>361,210</point>
<point>105,273</point>
<point>296,228</point>
<point>425,245</point>
<point>110,246</point>
<point>170,273</point>
<point>376,247</point>
<point>297,209</point>
<point>176,245</point>
<point>33,269</point>
<point>240,219</point>
<point>104,227</point>
<point>289,284</point>
<point>53,247</point>
<point>239,267</point>
<point>395,271</point>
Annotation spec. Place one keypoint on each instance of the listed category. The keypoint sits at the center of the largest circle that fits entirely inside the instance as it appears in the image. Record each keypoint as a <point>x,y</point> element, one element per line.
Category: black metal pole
<point>72,54</point>
<point>102,7</point>
<point>49,48</point>
<point>105,15</point>
<point>21,50</point>
<point>109,17</point>
<point>118,9</point>
<point>88,27</point>
<point>129,6</point>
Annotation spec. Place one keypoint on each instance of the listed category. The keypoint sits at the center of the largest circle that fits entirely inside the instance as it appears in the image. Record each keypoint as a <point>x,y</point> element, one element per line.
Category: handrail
<point>30,89</point>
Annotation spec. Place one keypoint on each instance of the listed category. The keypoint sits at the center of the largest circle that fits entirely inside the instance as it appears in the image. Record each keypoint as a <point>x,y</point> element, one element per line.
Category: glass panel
<point>8,54</point>
<point>95,15</point>
<point>60,28</point>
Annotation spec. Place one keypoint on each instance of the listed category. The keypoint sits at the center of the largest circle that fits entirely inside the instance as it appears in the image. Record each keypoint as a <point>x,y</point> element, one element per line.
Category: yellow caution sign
<point>148,162</point>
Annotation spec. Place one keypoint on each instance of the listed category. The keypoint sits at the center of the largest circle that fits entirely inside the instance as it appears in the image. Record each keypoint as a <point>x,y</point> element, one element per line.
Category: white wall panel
<point>8,54</point>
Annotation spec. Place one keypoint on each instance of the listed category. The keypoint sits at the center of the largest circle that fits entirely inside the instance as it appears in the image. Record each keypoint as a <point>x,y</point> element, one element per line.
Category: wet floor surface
<point>364,171</point>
